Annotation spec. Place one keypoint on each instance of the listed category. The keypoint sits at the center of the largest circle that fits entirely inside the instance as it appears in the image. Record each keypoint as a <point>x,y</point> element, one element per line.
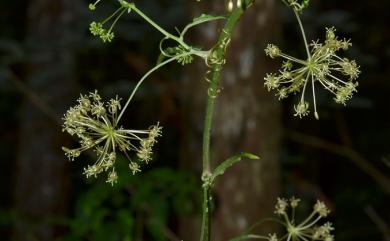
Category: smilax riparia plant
<point>96,125</point>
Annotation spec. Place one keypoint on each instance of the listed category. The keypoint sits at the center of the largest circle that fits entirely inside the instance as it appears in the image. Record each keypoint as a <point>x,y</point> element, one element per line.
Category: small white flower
<point>273,237</point>
<point>294,202</point>
<point>272,51</point>
<point>281,206</point>
<point>321,209</point>
<point>301,109</point>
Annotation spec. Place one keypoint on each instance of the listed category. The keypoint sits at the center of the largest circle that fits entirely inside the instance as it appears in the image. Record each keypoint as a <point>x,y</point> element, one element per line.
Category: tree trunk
<point>41,181</point>
<point>247,118</point>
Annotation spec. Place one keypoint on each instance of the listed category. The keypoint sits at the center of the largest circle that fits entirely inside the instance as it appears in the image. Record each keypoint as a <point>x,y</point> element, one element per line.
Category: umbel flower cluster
<point>323,66</point>
<point>308,229</point>
<point>95,124</point>
<point>98,29</point>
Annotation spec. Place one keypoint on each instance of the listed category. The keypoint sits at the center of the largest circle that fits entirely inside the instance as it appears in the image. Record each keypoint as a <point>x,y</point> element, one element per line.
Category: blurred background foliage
<point>106,213</point>
<point>343,158</point>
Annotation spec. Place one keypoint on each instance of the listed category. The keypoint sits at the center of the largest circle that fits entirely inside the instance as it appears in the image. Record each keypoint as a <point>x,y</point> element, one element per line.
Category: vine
<point>97,123</point>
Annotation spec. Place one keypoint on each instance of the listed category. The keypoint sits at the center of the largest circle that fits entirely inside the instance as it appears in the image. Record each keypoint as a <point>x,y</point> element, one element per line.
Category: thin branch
<point>352,155</point>
<point>386,162</point>
<point>34,98</point>
<point>170,235</point>
<point>379,222</point>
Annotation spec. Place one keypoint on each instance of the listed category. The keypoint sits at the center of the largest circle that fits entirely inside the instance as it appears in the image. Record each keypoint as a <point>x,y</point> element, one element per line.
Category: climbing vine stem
<point>216,61</point>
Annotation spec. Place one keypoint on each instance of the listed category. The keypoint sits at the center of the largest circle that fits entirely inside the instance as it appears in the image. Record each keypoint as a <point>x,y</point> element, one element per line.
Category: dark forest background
<point>48,57</point>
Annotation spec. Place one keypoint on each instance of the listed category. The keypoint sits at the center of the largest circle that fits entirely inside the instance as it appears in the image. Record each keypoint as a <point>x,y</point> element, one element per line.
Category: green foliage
<point>137,205</point>
<point>199,20</point>
<point>182,48</point>
<point>221,168</point>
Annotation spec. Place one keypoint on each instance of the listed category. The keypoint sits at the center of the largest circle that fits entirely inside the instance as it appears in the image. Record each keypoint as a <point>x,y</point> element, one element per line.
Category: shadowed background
<point>48,57</point>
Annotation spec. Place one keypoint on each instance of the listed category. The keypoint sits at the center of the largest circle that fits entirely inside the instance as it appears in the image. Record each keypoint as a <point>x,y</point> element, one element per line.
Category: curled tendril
<point>206,77</point>
<point>213,93</point>
<point>226,41</point>
<point>162,50</point>
<point>213,59</point>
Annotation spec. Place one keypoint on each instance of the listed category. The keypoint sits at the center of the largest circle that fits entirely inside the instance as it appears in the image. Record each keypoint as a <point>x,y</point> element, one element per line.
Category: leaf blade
<point>221,168</point>
<point>199,20</point>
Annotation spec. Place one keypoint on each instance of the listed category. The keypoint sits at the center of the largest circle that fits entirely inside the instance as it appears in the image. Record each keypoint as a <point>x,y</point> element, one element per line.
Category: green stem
<point>116,19</point>
<point>145,76</point>
<point>218,59</point>
<point>303,33</point>
<point>250,236</point>
<point>155,25</point>
<point>205,230</point>
<point>112,15</point>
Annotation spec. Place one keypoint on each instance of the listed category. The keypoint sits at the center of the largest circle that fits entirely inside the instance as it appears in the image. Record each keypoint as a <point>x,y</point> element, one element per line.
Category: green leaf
<point>221,168</point>
<point>162,57</point>
<point>305,3</point>
<point>199,20</point>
